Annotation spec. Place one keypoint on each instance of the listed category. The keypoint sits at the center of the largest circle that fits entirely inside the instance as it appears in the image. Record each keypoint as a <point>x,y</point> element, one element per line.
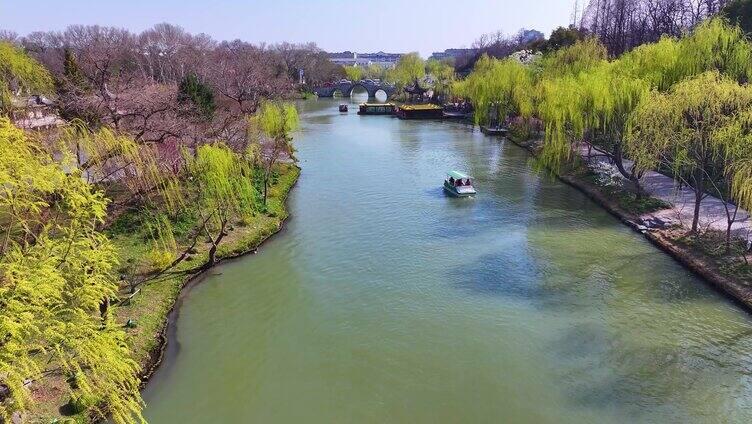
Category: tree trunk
<point>215,244</point>
<point>699,191</point>
<point>629,175</point>
<point>728,236</point>
<point>266,188</point>
<point>730,219</point>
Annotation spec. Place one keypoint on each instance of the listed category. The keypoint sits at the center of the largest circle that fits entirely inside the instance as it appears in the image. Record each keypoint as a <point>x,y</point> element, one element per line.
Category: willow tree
<point>498,89</point>
<point>442,74</point>
<point>562,102</point>
<point>115,161</point>
<point>19,74</point>
<point>611,97</point>
<point>572,60</point>
<point>691,130</point>
<point>409,68</point>
<point>353,73</point>
<point>271,139</point>
<point>223,190</point>
<point>655,63</point>
<point>716,45</point>
<point>583,96</point>
<point>56,271</point>
<point>374,70</point>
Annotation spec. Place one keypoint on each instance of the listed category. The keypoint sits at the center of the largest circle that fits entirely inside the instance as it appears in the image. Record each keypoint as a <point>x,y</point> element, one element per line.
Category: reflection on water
<point>387,301</point>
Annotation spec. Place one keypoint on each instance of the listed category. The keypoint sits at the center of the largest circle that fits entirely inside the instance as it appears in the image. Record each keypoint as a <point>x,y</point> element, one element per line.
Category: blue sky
<point>335,25</point>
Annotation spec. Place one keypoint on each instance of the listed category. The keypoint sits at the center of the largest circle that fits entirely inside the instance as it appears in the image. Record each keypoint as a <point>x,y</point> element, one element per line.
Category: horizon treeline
<point>620,25</point>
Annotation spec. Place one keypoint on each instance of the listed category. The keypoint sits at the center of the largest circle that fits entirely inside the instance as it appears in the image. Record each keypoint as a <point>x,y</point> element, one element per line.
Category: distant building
<point>525,36</point>
<point>348,58</point>
<point>453,54</point>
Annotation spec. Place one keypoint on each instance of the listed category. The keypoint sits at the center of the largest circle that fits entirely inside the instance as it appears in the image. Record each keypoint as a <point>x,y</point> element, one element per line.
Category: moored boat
<point>421,111</point>
<point>457,115</point>
<point>343,107</point>
<point>494,130</point>
<point>376,109</point>
<point>459,184</point>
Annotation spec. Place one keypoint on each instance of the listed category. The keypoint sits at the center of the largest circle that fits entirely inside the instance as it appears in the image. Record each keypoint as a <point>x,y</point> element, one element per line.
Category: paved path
<point>712,210</point>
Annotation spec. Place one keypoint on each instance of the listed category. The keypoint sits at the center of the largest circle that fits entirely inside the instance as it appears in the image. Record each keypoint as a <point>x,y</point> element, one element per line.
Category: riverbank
<point>149,308</point>
<point>242,240</point>
<point>729,274</point>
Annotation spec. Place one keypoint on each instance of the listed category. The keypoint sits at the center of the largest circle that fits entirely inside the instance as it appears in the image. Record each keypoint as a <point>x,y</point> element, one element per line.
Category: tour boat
<point>343,107</point>
<point>376,109</point>
<point>458,184</point>
<point>420,111</point>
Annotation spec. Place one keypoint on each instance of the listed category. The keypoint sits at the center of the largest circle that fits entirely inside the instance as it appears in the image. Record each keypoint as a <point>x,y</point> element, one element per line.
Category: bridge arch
<point>356,85</point>
<point>384,95</point>
<point>345,89</point>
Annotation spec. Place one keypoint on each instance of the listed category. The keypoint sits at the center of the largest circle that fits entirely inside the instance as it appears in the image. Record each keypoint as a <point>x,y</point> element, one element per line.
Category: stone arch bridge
<point>347,87</point>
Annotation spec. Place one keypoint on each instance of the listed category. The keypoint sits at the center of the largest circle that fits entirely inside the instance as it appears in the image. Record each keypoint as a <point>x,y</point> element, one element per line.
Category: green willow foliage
<point>701,130</point>
<point>409,67</point>
<point>353,73</point>
<point>579,57</point>
<point>580,93</point>
<point>498,88</point>
<point>276,120</point>
<point>105,154</point>
<point>442,74</point>
<point>56,270</point>
<point>19,72</point>
<point>223,181</point>
<point>654,63</point>
<point>271,140</point>
<point>715,45</point>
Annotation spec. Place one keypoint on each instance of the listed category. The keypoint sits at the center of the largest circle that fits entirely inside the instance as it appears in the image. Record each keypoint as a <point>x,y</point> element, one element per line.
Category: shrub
<point>160,259</point>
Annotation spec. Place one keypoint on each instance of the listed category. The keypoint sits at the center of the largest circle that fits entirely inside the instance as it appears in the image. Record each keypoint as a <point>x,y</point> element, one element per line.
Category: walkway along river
<point>386,301</point>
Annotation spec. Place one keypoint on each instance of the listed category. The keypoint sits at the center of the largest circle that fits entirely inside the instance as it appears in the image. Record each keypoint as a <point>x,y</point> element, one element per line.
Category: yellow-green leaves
<point>702,125</point>
<point>716,45</point>
<point>574,59</point>
<point>276,119</point>
<point>409,68</point>
<point>17,68</point>
<point>55,271</point>
<point>655,63</point>
<point>353,73</point>
<point>104,155</point>
<point>223,180</point>
<point>442,74</point>
<point>498,88</point>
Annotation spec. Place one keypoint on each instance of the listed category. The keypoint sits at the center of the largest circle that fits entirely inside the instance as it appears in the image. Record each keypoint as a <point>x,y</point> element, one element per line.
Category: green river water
<point>385,301</point>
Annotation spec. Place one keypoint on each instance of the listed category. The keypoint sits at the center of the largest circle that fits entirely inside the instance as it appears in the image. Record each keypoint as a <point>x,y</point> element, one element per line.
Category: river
<point>385,301</point>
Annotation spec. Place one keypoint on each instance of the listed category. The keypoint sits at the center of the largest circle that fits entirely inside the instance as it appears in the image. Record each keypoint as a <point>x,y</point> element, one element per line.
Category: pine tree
<point>200,95</point>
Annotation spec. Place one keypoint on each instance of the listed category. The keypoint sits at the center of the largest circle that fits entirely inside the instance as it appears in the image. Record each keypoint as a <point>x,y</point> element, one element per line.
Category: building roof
<point>421,106</point>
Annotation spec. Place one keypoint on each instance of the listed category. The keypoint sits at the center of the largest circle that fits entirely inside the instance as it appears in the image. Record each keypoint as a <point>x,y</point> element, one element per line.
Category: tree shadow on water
<point>505,273</point>
<point>643,379</point>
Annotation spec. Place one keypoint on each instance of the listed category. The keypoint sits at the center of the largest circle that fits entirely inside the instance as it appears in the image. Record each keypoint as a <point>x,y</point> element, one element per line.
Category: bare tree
<point>243,75</point>
<point>624,24</point>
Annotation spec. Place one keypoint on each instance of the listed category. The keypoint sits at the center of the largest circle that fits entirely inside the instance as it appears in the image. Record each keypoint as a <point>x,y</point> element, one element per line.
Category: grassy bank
<point>144,314</point>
